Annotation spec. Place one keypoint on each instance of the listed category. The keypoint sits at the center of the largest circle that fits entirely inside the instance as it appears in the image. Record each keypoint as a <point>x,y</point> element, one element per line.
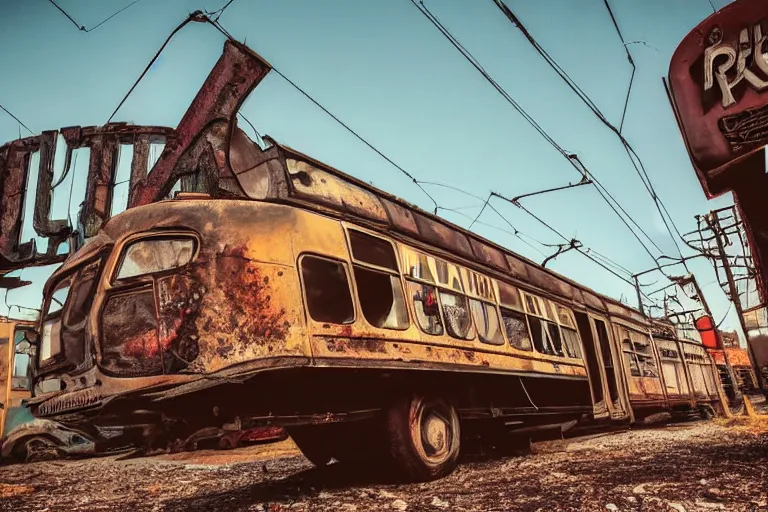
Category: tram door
<point>592,358</point>
<point>604,370</point>
<point>617,399</point>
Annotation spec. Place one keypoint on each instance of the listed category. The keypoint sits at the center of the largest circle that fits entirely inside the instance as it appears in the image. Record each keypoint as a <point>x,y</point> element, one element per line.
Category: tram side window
<point>517,329</point>
<point>327,290</point>
<point>540,335</point>
<point>456,313</point>
<point>554,336</point>
<point>381,298</point>
<point>487,322</point>
<point>25,342</point>
<point>571,338</point>
<point>639,356</point>
<point>372,250</point>
<point>380,292</point>
<point>545,331</point>
<point>631,359</point>
<point>425,306</point>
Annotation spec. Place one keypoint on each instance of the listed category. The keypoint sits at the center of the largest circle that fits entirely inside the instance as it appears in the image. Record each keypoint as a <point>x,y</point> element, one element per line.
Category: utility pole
<point>734,293</point>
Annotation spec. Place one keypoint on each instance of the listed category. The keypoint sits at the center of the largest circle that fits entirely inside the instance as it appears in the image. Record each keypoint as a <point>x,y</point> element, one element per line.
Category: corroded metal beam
<point>197,150</point>
<point>202,137</point>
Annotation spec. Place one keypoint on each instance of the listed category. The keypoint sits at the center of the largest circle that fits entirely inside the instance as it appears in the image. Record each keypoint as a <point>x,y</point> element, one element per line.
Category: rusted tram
<point>368,327</point>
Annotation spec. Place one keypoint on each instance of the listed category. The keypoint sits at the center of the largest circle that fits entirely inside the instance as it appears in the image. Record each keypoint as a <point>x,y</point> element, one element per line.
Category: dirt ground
<point>716,465</point>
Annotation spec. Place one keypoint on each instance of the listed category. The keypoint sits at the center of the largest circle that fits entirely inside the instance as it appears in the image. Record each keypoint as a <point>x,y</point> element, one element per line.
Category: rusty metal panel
<point>718,79</point>
<point>316,185</point>
<point>202,136</point>
<point>489,255</point>
<point>14,161</point>
<point>738,357</point>
<point>544,280</point>
<point>56,230</point>
<point>626,312</point>
<point>441,235</point>
<point>517,267</point>
<point>593,301</point>
<point>402,218</point>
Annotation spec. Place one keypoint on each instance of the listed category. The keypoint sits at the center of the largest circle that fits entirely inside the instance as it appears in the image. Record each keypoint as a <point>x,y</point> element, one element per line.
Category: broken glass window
<point>155,255</point>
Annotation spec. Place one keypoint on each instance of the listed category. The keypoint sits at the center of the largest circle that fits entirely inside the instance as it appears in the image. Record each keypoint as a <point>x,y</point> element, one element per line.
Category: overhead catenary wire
<point>631,153</point>
<point>572,159</point>
<point>17,120</point>
<point>519,234</point>
<point>219,12</point>
<point>196,16</point>
<point>102,22</point>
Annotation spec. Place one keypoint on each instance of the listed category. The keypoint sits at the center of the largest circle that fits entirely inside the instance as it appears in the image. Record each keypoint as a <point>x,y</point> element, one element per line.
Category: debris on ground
<point>678,467</point>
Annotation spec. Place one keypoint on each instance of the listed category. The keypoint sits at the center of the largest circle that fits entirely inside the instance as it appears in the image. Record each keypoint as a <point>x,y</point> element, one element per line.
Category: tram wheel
<point>314,443</point>
<point>423,435</point>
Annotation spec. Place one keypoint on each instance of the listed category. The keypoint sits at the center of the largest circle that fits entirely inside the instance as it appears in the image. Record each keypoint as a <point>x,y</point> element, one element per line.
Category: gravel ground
<point>718,465</point>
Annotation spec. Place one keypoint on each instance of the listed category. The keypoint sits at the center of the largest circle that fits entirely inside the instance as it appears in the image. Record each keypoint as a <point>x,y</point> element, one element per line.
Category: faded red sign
<point>718,80</point>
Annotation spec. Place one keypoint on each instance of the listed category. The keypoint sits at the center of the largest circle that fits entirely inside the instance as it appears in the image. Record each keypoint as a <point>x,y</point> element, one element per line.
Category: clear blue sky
<point>383,69</point>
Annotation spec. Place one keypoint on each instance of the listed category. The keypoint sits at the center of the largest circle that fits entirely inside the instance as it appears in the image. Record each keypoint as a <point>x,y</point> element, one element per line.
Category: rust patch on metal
<point>343,345</point>
<point>217,308</point>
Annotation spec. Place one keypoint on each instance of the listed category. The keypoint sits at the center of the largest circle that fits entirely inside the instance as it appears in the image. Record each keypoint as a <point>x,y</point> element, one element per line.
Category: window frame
<point>531,348</point>
<point>58,317</point>
<point>412,303</point>
<point>499,325</point>
<point>352,294</point>
<point>30,357</point>
<point>115,282</point>
<point>442,288</point>
<point>471,331</point>
<point>545,307</point>
<point>397,273</point>
<point>638,356</point>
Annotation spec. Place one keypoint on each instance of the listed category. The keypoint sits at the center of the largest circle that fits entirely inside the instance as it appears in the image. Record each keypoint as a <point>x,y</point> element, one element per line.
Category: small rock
<point>437,502</point>
<point>676,506</point>
<point>324,495</point>
<point>612,507</point>
<point>710,505</point>
<point>631,499</point>
<point>349,507</point>
<point>703,481</point>
<point>386,494</point>
<point>558,474</point>
<point>639,489</point>
<point>713,493</point>
<point>398,505</point>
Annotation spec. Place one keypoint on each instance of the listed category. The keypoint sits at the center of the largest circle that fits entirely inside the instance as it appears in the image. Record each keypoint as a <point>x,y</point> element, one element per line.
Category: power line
<point>572,159</point>
<point>358,136</point>
<point>82,27</point>
<point>196,16</point>
<point>629,58</point>
<point>519,234</point>
<point>485,205</point>
<point>219,12</point>
<point>631,153</point>
<point>17,120</point>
